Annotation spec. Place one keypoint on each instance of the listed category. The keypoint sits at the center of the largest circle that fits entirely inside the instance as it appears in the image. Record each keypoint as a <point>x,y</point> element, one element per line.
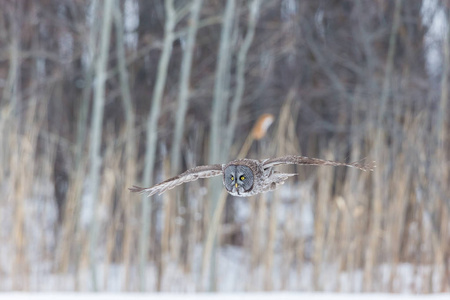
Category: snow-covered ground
<point>233,263</point>
<point>219,296</point>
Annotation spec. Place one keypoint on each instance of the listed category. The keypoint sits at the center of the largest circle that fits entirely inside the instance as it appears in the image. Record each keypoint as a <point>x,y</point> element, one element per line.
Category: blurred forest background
<point>99,95</point>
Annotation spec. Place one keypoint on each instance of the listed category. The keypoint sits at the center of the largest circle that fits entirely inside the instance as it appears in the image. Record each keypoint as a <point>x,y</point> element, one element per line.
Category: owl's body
<point>264,179</point>
<point>245,177</point>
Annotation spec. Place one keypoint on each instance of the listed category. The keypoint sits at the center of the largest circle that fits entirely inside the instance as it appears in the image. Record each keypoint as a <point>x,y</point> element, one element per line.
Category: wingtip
<point>366,166</point>
<point>136,189</point>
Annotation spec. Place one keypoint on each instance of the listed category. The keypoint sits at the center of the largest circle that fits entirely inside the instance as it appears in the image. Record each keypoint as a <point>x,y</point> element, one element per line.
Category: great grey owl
<point>246,177</point>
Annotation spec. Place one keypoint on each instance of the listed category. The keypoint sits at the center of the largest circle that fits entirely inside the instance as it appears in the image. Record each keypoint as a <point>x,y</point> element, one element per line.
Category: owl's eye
<point>232,178</point>
<point>242,178</point>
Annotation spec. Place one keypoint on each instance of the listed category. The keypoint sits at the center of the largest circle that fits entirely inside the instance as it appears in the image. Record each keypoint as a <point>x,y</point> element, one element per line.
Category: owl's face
<point>238,179</point>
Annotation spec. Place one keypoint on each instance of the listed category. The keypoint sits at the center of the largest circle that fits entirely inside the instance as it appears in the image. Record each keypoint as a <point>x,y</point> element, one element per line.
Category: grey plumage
<point>246,177</point>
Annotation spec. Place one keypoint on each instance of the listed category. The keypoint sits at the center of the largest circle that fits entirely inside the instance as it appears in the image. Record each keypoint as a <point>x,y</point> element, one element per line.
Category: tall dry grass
<point>277,251</point>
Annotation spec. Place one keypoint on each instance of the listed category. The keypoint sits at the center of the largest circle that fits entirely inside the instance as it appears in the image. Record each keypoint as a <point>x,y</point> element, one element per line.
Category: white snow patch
<point>218,296</point>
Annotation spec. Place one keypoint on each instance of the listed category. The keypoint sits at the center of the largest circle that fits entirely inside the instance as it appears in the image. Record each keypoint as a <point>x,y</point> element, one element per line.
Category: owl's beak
<point>236,185</point>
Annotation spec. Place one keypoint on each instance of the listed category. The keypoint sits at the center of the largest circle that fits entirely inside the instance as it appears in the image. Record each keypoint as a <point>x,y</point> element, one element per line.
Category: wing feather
<point>303,160</point>
<point>189,175</point>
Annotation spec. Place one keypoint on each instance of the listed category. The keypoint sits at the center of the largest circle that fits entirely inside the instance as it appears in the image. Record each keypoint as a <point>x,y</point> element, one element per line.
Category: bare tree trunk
<point>442,170</point>
<point>183,100</point>
<point>216,135</point>
<point>12,86</point>
<point>130,147</point>
<point>220,89</point>
<point>152,134</point>
<point>70,231</point>
<point>240,73</point>
<point>183,95</point>
<point>443,105</point>
<point>88,78</point>
<point>96,134</point>
<point>12,89</point>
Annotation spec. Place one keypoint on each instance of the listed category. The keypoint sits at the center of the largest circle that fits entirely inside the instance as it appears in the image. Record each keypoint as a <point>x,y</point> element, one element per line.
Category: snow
<point>218,296</point>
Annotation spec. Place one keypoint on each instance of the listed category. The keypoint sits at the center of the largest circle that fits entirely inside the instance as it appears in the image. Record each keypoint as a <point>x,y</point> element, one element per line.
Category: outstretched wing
<point>189,175</point>
<point>303,160</point>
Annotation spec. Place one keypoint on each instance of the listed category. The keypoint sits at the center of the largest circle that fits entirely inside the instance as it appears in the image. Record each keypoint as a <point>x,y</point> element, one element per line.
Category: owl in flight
<point>245,177</point>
